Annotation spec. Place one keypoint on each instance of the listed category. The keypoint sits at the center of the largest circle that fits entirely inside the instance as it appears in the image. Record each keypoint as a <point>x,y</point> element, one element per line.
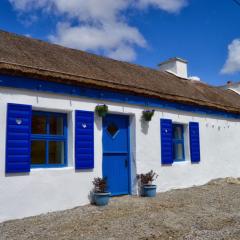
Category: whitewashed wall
<point>46,190</point>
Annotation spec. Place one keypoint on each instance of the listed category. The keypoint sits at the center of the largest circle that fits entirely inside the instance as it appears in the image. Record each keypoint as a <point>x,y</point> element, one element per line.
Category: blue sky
<point>146,32</point>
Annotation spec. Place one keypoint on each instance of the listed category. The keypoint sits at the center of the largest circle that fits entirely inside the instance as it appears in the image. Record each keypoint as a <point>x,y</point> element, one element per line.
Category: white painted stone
<point>47,190</point>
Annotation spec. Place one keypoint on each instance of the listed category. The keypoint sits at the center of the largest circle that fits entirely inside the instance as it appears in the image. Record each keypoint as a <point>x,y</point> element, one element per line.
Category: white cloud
<point>123,52</point>
<point>114,39</point>
<point>27,35</point>
<point>171,6</point>
<point>232,64</point>
<point>84,10</point>
<point>104,10</point>
<point>27,5</point>
<point>99,25</point>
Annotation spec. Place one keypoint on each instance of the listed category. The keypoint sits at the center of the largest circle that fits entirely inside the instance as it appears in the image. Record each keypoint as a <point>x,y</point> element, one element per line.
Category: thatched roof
<point>24,56</point>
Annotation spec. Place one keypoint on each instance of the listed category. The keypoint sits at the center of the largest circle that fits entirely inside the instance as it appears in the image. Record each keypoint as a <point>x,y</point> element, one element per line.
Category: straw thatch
<point>24,56</point>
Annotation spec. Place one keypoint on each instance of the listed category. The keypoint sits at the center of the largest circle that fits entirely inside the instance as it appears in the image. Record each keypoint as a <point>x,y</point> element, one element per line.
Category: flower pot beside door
<point>147,188</point>
<point>100,195</point>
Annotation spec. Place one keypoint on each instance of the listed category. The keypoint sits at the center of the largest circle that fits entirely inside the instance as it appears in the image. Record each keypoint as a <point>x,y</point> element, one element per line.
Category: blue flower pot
<point>101,199</point>
<point>149,190</point>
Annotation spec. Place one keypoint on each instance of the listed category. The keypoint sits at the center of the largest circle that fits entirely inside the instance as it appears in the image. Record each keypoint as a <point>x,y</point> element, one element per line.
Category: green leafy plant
<point>100,185</point>
<point>147,178</point>
<point>147,115</point>
<point>101,110</point>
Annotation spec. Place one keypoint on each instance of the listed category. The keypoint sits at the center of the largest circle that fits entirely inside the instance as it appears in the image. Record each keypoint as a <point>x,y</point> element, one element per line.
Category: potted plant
<point>147,115</point>
<point>101,110</point>
<point>146,180</point>
<point>101,195</point>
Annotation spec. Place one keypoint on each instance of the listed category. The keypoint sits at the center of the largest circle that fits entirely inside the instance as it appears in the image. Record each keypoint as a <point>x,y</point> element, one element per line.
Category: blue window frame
<point>178,143</point>
<point>48,140</point>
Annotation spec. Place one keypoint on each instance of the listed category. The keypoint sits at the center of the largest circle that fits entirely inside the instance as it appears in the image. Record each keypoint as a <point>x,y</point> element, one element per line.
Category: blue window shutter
<point>84,139</point>
<point>194,142</point>
<point>18,139</point>
<point>166,141</point>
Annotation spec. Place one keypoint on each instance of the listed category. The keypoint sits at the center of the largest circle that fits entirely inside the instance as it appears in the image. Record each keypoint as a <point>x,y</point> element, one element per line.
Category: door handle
<point>126,162</point>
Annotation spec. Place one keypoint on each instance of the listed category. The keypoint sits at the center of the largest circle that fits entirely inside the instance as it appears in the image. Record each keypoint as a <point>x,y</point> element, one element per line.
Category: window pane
<point>177,132</point>
<point>178,151</point>
<point>56,125</point>
<point>39,124</point>
<point>56,152</point>
<point>38,150</point>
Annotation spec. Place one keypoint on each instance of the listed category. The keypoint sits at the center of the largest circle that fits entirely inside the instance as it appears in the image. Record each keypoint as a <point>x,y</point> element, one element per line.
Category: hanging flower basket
<point>147,115</point>
<point>101,110</point>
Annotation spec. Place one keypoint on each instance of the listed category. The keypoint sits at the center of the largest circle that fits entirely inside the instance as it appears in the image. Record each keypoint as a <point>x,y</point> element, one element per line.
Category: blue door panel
<point>194,142</point>
<point>16,167</point>
<point>85,132</point>
<point>21,151</point>
<point>82,144</point>
<point>17,135</point>
<point>166,141</point>
<point>84,139</point>
<point>18,146</point>
<point>116,154</point>
<point>25,121</point>
<point>117,177</point>
<point>16,143</point>
<point>83,151</point>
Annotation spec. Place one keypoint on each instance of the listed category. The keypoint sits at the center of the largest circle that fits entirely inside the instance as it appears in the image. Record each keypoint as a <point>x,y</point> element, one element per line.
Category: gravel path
<point>208,212</point>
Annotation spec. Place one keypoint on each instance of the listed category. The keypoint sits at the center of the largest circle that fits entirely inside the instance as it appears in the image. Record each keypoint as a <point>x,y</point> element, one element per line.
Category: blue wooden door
<point>116,153</point>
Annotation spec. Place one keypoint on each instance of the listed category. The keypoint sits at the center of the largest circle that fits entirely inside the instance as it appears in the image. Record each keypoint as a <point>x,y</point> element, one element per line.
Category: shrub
<point>147,178</point>
<point>100,185</point>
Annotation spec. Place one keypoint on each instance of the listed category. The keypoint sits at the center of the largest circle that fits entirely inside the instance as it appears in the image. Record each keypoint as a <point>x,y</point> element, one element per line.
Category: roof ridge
<point>93,54</point>
<point>75,49</point>
<point>36,58</point>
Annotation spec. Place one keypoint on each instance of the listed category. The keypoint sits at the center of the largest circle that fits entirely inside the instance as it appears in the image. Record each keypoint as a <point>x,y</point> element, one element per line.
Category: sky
<point>206,33</point>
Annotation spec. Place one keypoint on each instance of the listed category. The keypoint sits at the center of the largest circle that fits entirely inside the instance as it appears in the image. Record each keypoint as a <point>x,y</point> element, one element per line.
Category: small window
<point>56,125</point>
<point>112,129</point>
<point>39,124</point>
<point>56,152</point>
<point>178,143</point>
<point>48,139</point>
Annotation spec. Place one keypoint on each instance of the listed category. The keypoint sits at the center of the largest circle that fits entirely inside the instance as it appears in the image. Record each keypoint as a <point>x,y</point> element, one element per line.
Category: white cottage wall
<point>46,190</point>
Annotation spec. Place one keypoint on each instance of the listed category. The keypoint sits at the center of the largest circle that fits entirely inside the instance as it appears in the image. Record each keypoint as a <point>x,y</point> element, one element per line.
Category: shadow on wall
<point>144,126</point>
<point>17,174</point>
<point>98,121</point>
<point>139,187</point>
<point>90,170</point>
<point>91,197</point>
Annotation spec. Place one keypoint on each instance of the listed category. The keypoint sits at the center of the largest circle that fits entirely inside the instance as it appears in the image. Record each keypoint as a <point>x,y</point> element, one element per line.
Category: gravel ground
<point>209,212</point>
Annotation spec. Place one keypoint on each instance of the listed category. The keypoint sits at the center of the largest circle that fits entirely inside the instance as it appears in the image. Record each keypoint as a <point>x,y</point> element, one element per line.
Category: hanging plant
<point>147,115</point>
<point>101,110</point>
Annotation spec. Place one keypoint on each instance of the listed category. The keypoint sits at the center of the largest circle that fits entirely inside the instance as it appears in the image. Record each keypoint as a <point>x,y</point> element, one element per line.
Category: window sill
<point>186,161</point>
<point>39,169</point>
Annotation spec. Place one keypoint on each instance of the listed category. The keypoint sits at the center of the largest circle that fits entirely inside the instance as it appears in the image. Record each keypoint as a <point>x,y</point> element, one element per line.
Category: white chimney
<point>176,66</point>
